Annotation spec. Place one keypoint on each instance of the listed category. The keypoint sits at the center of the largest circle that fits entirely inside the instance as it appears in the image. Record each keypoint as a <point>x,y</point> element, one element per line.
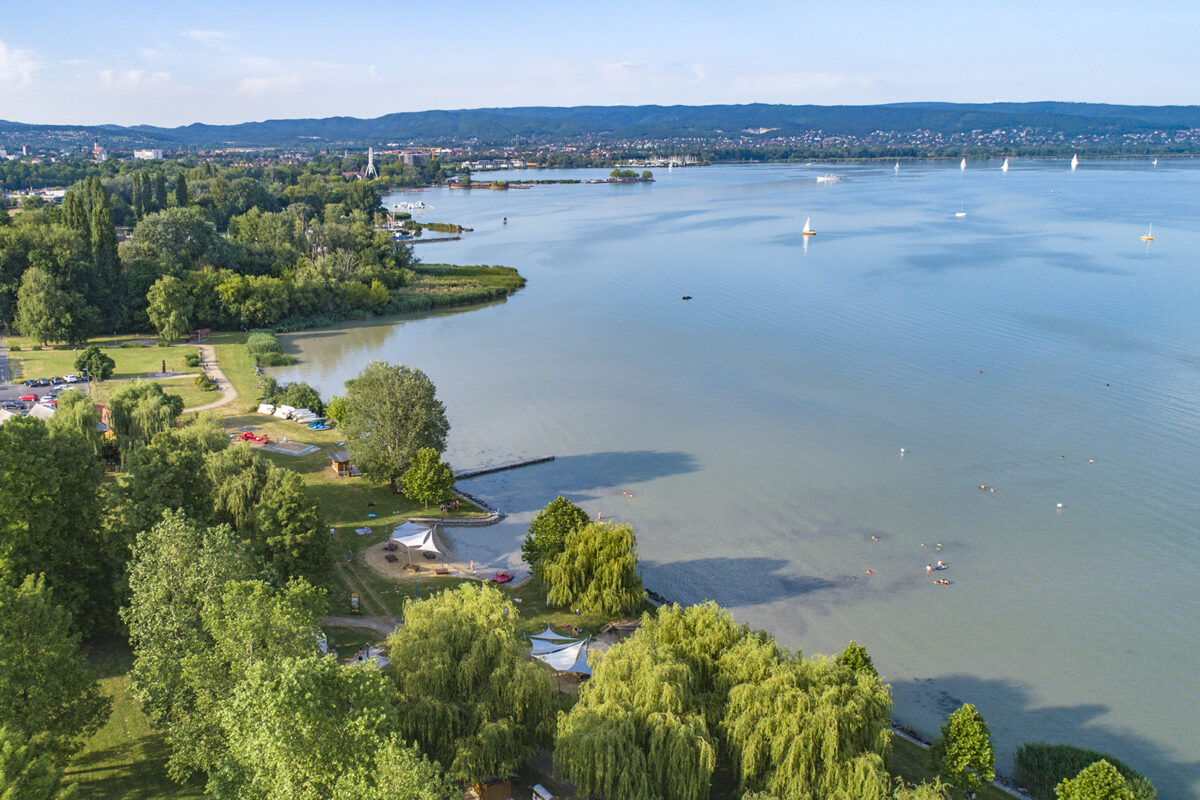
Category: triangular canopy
<point>549,634</point>
<point>418,538</point>
<point>568,659</point>
<point>543,646</point>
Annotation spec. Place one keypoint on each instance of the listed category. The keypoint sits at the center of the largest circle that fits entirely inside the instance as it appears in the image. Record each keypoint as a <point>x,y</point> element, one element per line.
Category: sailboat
<point>1149,235</point>
<point>963,165</point>
<point>962,210</point>
<point>808,231</point>
<point>897,169</point>
<point>1004,166</point>
<point>1154,163</point>
<point>1074,162</point>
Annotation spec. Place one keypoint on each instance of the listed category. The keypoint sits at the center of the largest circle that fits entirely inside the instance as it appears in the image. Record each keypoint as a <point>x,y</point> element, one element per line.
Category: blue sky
<point>168,63</point>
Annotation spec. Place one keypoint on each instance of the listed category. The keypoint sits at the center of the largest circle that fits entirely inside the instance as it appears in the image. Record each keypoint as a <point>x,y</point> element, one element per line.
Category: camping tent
<point>572,658</point>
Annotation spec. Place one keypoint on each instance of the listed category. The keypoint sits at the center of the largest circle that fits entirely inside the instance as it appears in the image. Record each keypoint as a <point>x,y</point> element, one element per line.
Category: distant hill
<point>500,125</point>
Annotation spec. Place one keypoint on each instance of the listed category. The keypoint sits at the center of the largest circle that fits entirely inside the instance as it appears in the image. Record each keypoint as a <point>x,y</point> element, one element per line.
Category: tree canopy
<point>392,412</point>
<point>1099,781</point>
<point>548,533</point>
<point>139,410</point>
<point>471,698</point>
<point>429,479</point>
<point>963,753</point>
<point>27,773</point>
<point>98,364</point>
<point>46,691</point>
<point>596,570</point>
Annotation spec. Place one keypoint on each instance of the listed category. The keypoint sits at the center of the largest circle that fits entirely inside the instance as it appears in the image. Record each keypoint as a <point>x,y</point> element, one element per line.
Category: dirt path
<point>348,574</point>
<point>381,625</point>
<point>208,360</point>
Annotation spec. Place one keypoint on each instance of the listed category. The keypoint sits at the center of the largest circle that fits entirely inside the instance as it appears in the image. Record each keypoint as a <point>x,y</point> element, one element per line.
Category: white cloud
<point>132,80</point>
<point>17,66</point>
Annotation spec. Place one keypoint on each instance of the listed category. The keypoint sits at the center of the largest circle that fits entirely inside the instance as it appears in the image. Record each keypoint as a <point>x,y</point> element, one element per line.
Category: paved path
<point>4,376</point>
<point>208,360</point>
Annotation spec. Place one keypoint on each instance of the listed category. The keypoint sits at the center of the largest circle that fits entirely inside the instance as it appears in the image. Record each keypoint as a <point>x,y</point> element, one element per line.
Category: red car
<point>28,398</point>
<point>250,436</point>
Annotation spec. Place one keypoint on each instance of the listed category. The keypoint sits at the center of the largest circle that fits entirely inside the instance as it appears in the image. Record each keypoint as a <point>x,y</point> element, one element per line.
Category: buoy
<point>1060,505</point>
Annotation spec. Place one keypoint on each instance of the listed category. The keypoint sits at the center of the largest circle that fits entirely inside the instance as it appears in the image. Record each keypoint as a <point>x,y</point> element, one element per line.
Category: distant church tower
<point>370,170</point>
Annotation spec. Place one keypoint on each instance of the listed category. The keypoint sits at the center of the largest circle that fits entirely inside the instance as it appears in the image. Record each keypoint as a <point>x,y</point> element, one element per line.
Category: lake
<point>865,383</point>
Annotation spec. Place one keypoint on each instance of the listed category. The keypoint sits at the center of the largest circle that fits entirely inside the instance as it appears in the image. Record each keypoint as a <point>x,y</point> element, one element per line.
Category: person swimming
<point>941,565</point>
<point>929,569</point>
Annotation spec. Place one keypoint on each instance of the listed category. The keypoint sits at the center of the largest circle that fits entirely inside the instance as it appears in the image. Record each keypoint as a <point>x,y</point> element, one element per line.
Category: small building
<point>492,789</point>
<point>199,334</point>
<point>149,154</point>
<point>340,463</point>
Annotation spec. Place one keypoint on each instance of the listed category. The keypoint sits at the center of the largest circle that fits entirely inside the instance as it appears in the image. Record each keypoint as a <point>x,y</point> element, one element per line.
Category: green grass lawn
<point>131,362</point>
<point>126,758</point>
<point>185,387</point>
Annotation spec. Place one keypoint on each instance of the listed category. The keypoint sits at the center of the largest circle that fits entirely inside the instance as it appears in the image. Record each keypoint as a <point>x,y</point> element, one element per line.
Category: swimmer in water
<point>929,569</point>
<point>941,564</point>
<point>870,572</point>
<point>874,538</point>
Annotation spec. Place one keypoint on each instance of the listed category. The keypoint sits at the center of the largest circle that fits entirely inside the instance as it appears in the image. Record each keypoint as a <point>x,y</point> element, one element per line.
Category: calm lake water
<point>1034,345</point>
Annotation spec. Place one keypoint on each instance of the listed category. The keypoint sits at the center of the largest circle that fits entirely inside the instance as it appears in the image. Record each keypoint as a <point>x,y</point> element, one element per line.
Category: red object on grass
<point>502,577</point>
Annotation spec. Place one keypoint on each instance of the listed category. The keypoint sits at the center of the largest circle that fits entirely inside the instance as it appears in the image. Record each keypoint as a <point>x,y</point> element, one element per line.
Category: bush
<point>192,359</point>
<point>300,395</point>
<point>126,345</point>
<point>205,383</point>
<point>36,347</point>
<point>263,342</point>
<point>275,359</point>
<point>1040,767</point>
<point>163,344</point>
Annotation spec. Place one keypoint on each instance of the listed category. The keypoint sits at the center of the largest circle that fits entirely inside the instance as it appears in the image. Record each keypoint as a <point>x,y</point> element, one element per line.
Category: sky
<point>175,63</point>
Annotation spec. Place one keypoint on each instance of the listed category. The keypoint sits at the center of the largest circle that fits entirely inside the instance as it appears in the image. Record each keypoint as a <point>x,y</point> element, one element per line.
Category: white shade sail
<point>572,658</point>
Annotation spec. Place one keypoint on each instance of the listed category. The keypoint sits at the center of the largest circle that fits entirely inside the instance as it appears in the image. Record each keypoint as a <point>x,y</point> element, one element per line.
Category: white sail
<point>1004,166</point>
<point>808,226</point>
<point>963,165</point>
<point>1074,161</point>
<point>897,170</point>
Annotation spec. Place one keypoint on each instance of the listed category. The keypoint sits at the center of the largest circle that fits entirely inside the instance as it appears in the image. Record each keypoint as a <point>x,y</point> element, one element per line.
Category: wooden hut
<point>340,464</point>
<point>492,789</point>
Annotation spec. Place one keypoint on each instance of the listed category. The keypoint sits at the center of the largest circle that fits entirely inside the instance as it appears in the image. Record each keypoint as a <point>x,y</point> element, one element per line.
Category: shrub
<point>300,395</point>
<point>263,342</point>
<point>205,383</point>
<point>274,359</point>
<point>192,359</point>
<point>126,345</point>
<point>1040,767</point>
<point>36,347</point>
<point>164,344</point>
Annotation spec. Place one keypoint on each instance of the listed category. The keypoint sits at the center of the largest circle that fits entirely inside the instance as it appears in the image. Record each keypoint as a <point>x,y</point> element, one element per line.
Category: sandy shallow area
<point>376,557</point>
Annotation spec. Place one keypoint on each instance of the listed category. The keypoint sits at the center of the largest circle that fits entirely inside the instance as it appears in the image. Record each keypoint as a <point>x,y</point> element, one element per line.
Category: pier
<point>462,474</point>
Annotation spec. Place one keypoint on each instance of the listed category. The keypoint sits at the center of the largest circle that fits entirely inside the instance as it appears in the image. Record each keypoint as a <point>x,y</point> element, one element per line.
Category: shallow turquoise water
<point>1034,345</point>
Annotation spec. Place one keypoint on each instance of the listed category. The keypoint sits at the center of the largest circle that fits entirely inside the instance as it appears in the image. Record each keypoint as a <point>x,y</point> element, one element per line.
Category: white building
<point>148,155</point>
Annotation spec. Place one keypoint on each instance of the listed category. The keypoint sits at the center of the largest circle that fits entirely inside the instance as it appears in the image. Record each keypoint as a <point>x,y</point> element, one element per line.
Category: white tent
<point>549,634</point>
<point>572,658</point>
<point>543,646</point>
<point>418,538</point>
<point>40,411</point>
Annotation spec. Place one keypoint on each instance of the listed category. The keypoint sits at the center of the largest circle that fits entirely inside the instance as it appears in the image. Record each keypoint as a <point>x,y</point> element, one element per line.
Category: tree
<point>139,410</point>
<point>76,414</point>
<point>181,191</point>
<point>392,412</point>
<point>548,533</point>
<point>1100,781</point>
<point>855,657</point>
<point>963,754</point>
<point>336,408</point>
<point>169,473</point>
<point>308,729</point>
<point>471,698</point>
<point>26,773</point>
<point>286,529</point>
<point>429,479</point>
<point>237,476</point>
<point>98,365</point>
<point>45,473</point>
<point>46,690</point>
<point>169,306</point>
<point>178,569</point>
<point>42,307</point>
<point>596,571</point>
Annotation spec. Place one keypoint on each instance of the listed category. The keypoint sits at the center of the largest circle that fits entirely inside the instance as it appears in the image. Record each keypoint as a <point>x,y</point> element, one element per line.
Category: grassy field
<point>134,360</point>
<point>184,386</point>
<point>911,762</point>
<point>126,758</point>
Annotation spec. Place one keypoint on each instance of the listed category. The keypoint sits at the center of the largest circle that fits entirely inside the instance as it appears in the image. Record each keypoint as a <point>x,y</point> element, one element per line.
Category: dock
<point>462,474</point>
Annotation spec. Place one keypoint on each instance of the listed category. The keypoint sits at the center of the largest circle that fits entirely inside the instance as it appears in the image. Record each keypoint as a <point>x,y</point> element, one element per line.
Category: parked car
<point>44,382</point>
<point>57,379</point>
<point>72,378</point>
<point>28,398</point>
<point>13,405</point>
<point>31,382</point>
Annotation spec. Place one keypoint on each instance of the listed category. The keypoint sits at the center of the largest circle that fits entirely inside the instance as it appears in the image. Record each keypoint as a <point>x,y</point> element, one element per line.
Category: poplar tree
<point>27,772</point>
<point>963,753</point>
<point>181,191</point>
<point>160,190</point>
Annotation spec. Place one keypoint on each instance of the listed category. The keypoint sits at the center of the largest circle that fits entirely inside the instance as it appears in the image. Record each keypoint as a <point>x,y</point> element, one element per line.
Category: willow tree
<point>644,724</point>
<point>596,571</point>
<point>470,696</point>
<point>812,728</point>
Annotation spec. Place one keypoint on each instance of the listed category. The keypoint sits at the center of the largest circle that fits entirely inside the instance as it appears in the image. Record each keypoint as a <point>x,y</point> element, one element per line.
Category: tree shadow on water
<point>580,478</point>
<point>1015,718</point>
<point>758,580</point>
